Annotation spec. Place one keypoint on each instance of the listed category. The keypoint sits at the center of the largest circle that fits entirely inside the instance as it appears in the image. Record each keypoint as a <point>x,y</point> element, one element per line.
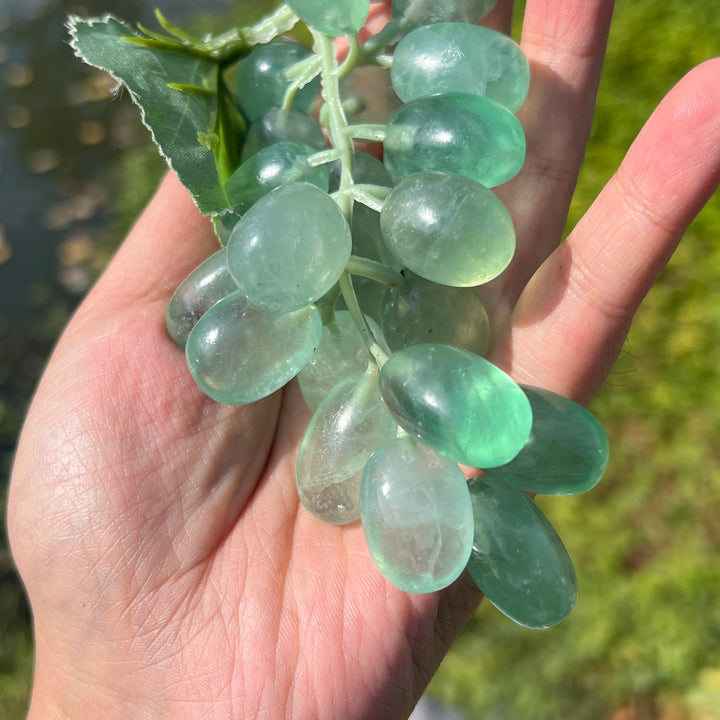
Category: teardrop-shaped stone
<point>269,168</point>
<point>416,516</point>
<point>518,560</point>
<point>566,453</point>
<point>423,311</point>
<point>239,354</point>
<point>457,403</point>
<point>460,57</point>
<point>261,81</point>
<point>448,229</point>
<point>277,125</point>
<point>290,248</point>
<point>350,424</point>
<point>341,352</point>
<point>207,284</point>
<point>456,133</point>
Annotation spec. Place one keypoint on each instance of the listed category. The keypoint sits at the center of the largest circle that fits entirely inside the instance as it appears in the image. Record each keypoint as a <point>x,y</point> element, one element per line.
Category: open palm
<point>171,569</point>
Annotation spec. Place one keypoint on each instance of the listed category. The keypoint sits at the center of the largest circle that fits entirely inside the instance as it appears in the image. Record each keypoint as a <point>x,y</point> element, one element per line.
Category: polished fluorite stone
<point>238,355</point>
<point>350,424</point>
<point>448,229</point>
<point>423,12</point>
<point>276,125</point>
<point>566,453</point>
<point>460,57</point>
<point>207,284</point>
<point>261,82</point>
<point>457,403</point>
<point>269,168</point>
<point>518,560</point>
<point>416,516</point>
<point>290,248</point>
<point>455,133</point>
<point>335,18</point>
<point>423,311</point>
<point>342,352</point>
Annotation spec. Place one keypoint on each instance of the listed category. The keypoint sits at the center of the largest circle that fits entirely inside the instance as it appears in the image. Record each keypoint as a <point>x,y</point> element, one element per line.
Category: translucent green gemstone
<point>261,82</point>
<point>423,311</point>
<point>460,57</point>
<point>349,425</point>
<point>518,560</point>
<point>290,248</point>
<point>457,403</point>
<point>424,12</point>
<point>271,167</point>
<point>448,229</point>
<point>238,355</point>
<point>456,133</point>
<point>416,515</point>
<point>207,284</point>
<point>566,453</point>
<point>335,18</point>
<point>277,125</point>
<point>341,352</point>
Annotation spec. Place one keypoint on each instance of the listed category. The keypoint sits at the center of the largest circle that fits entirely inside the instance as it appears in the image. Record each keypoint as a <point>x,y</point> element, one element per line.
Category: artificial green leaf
<point>168,82</point>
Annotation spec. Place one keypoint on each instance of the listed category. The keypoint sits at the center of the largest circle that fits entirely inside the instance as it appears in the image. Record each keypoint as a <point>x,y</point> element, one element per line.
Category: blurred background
<point>643,643</point>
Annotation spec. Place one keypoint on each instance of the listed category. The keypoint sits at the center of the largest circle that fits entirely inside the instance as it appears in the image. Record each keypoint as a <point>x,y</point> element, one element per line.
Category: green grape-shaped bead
<point>457,403</point>
<point>269,168</point>
<point>349,424</point>
<point>238,354</point>
<point>276,125</point>
<point>423,311</point>
<point>290,248</point>
<point>341,352</point>
<point>566,453</point>
<point>261,82</point>
<point>457,133</point>
<point>448,229</point>
<point>518,560</point>
<point>416,516</point>
<point>207,284</point>
<point>459,57</point>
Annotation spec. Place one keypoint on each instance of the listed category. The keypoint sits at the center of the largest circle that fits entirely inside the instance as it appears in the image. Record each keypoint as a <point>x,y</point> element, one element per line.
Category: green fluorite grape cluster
<point>356,276</point>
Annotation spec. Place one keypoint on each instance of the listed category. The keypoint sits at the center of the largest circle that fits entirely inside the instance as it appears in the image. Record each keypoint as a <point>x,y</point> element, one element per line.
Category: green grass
<point>645,635</point>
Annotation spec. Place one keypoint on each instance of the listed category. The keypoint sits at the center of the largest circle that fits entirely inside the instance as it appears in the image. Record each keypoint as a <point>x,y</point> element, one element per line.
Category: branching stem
<point>358,317</point>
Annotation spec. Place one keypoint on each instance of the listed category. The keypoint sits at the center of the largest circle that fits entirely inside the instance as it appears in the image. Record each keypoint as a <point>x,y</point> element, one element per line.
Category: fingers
<point>572,318</point>
<point>565,46</point>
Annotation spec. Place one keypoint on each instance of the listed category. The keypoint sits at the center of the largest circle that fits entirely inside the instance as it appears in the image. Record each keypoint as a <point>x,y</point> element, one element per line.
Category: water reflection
<point>59,135</point>
<point>62,134</point>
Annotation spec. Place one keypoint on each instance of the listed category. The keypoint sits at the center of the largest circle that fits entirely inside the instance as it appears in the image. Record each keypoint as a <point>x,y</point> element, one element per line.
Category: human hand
<point>171,569</point>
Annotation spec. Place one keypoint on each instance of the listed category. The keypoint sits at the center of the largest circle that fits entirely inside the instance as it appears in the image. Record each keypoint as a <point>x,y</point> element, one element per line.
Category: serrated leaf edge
<point>71,26</point>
